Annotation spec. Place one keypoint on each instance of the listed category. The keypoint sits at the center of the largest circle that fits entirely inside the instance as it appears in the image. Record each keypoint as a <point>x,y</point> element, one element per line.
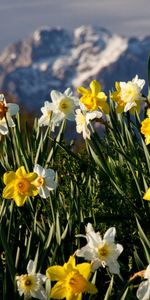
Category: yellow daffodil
<point>94,98</point>
<point>19,185</point>
<point>72,280</point>
<point>147,195</point>
<point>128,95</point>
<point>145,128</point>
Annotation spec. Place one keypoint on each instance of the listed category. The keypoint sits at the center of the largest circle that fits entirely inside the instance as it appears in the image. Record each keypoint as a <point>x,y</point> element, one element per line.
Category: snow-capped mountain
<point>54,58</point>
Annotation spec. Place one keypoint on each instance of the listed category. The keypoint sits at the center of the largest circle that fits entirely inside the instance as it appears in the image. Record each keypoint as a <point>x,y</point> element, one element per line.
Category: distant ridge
<point>54,58</point>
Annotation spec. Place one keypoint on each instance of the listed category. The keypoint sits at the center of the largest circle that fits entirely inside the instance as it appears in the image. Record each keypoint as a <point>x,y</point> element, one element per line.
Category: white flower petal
<point>41,277</point>
<point>12,109</point>
<point>43,192</point>
<point>44,120</point>
<point>40,294</point>
<point>38,169</point>
<point>109,235</point>
<point>86,252</point>
<point>139,82</point>
<point>129,105</point>
<point>31,267</point>
<point>96,264</point>
<point>56,96</point>
<point>92,115</point>
<point>114,267</point>
<point>119,249</point>
<point>50,184</point>
<point>49,173</point>
<point>3,129</point>
<point>147,272</point>
<point>68,92</point>
<point>143,292</point>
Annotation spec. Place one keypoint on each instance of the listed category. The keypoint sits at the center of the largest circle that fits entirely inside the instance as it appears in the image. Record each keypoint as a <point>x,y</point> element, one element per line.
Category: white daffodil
<point>47,114</point>
<point>131,92</point>
<point>101,252</point>
<point>31,284</point>
<point>82,118</point>
<point>7,110</point>
<point>128,95</point>
<point>45,181</point>
<point>62,107</point>
<point>143,292</point>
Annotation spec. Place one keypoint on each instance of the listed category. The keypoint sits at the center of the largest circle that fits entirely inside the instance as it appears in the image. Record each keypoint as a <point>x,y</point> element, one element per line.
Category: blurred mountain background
<point>61,52</point>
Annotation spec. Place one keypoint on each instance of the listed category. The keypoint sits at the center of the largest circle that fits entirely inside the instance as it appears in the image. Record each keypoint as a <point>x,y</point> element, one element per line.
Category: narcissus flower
<point>72,280</point>
<point>143,292</point>
<point>30,285</point>
<point>45,180</point>
<point>7,110</point>
<point>145,128</point>
<point>94,98</point>
<point>62,107</point>
<point>19,185</point>
<point>82,120</point>
<point>101,252</point>
<point>128,95</point>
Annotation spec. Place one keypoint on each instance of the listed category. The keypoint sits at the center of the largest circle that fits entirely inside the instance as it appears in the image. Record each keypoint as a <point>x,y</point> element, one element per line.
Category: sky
<point>20,18</point>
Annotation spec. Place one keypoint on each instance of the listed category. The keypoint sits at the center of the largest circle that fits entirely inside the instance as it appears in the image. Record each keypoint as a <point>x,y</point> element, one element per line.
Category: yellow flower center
<point>130,92</point>
<point>104,251</point>
<point>39,181</point>
<point>22,185</point>
<point>88,101</point>
<point>76,283</point>
<point>66,105</point>
<point>3,110</point>
<point>27,283</point>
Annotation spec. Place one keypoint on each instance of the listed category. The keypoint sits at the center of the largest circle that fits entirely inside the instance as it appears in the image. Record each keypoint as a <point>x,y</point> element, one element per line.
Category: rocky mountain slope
<point>53,58</point>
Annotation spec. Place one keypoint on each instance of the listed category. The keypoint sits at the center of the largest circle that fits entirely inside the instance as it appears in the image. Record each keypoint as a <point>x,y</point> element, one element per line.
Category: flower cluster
<point>73,279</point>
<point>20,185</point>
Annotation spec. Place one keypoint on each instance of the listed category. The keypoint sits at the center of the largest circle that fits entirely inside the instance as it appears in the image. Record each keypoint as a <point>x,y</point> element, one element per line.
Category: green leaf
<point>109,290</point>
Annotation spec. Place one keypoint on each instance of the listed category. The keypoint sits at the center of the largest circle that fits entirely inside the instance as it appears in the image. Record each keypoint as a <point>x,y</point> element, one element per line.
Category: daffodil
<point>145,128</point>
<point>62,107</point>
<point>128,95</point>
<point>94,98</point>
<point>147,195</point>
<point>19,185</point>
<point>31,284</point>
<point>143,292</point>
<point>72,280</point>
<point>82,120</point>
<point>45,180</point>
<point>7,110</point>
<point>101,252</point>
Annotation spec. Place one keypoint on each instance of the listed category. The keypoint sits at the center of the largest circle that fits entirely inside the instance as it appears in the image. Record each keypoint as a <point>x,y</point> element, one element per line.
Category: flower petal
<point>95,87</point>
<point>84,269</point>
<point>143,292</point>
<point>83,91</point>
<point>9,176</point>
<point>31,267</point>
<point>109,235</point>
<point>8,191</point>
<point>147,195</point>
<point>56,273</point>
<point>13,108</point>
<point>55,96</point>
<point>21,172</point>
<point>59,290</point>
